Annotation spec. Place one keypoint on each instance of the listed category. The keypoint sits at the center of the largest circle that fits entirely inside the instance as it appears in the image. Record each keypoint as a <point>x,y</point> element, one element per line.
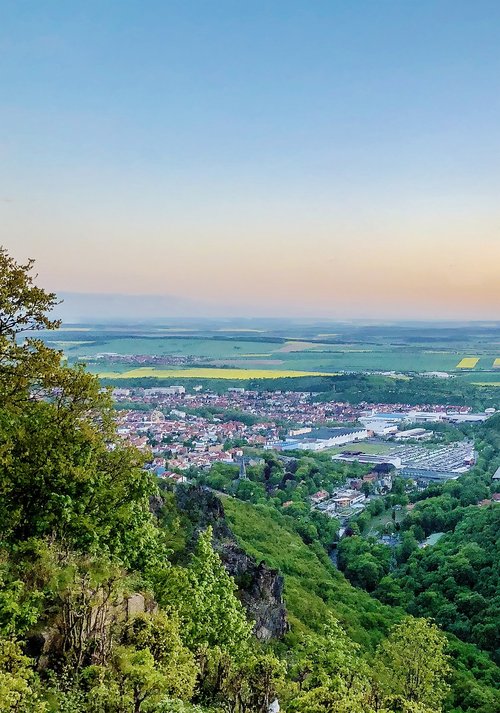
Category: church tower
<point>243,471</point>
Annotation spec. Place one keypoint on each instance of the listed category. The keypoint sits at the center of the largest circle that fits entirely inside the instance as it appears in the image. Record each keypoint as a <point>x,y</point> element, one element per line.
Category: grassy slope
<point>313,587</point>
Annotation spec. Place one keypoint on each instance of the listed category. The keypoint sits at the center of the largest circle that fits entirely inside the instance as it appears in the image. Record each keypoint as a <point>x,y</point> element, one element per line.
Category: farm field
<point>286,346</point>
<point>200,373</point>
<point>399,360</point>
<point>468,363</point>
<point>485,378</point>
<point>231,355</point>
<point>163,345</point>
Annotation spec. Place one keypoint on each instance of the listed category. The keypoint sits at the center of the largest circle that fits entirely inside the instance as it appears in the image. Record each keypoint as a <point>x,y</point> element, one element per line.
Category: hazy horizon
<point>328,159</point>
<point>96,308</point>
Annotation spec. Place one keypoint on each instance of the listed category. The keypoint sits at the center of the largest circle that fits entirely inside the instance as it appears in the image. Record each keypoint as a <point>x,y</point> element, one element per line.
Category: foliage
<point>286,486</point>
<point>363,561</point>
<point>18,682</point>
<point>203,594</point>
<point>313,589</point>
<point>313,586</point>
<point>412,665</point>
<point>456,580</point>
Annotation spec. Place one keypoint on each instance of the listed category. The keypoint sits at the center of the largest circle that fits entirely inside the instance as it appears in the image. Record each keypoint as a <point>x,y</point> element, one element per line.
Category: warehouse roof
<point>326,433</point>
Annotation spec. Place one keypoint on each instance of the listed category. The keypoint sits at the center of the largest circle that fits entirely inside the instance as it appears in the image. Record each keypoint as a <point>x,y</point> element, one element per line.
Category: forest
<point>456,581</point>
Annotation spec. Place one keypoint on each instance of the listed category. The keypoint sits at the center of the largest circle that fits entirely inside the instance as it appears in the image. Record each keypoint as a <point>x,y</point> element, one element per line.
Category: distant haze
<point>108,308</point>
<point>81,308</point>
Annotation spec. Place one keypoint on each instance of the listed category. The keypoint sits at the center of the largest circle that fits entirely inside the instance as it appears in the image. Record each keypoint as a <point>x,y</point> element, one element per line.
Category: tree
<point>389,592</point>
<point>330,675</point>
<point>262,675</point>
<point>18,682</point>
<point>161,636</point>
<point>24,307</point>
<point>367,488</point>
<point>364,562</point>
<point>139,680</point>
<point>64,474</point>
<point>408,545</point>
<point>204,595</point>
<point>398,486</point>
<point>411,665</point>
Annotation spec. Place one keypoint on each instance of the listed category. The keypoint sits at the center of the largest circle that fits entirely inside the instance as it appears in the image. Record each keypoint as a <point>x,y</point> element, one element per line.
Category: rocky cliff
<point>260,587</point>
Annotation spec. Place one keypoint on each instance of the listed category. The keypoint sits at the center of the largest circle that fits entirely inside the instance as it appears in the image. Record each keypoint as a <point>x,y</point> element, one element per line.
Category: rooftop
<point>327,433</point>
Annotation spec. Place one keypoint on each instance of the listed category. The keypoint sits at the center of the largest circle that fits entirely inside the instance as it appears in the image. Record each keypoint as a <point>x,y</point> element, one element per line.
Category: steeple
<point>243,471</point>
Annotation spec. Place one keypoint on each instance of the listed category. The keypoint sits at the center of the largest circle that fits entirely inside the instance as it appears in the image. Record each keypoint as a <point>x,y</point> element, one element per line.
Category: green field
<point>284,347</point>
<point>177,346</point>
<point>485,378</point>
<point>235,356</point>
<point>369,448</point>
<point>379,521</point>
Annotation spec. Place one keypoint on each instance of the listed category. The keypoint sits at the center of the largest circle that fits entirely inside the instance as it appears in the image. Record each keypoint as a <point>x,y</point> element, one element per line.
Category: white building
<point>322,438</point>
<point>425,416</point>
<point>380,427</point>
<point>299,431</point>
<point>165,391</point>
<point>121,392</point>
<point>413,434</point>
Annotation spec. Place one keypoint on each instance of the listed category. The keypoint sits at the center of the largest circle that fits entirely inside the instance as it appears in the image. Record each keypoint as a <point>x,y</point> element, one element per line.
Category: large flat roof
<point>326,433</point>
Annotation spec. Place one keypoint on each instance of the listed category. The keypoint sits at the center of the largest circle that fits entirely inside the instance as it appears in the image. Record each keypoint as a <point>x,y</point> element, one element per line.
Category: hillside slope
<point>315,589</point>
<point>313,586</point>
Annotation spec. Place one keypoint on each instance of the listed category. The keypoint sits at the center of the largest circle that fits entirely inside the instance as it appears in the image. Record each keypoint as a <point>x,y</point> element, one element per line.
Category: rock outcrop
<point>260,588</point>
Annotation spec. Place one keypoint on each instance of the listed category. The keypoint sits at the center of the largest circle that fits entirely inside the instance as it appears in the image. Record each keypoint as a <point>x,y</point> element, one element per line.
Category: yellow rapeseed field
<point>468,363</point>
<point>201,373</point>
<point>496,364</point>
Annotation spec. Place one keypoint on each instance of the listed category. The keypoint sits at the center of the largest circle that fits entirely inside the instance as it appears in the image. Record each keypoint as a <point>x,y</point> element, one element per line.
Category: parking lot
<point>452,458</point>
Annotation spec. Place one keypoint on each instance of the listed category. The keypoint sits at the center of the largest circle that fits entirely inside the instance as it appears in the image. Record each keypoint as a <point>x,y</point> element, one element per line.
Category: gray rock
<point>135,604</point>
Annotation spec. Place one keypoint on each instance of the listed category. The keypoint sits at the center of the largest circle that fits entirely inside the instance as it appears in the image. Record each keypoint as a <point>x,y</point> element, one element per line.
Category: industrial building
<point>413,434</point>
<point>369,458</point>
<point>320,438</point>
<point>445,462</point>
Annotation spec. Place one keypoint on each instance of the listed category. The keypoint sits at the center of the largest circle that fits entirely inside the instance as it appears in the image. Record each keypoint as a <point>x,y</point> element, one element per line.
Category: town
<point>196,429</point>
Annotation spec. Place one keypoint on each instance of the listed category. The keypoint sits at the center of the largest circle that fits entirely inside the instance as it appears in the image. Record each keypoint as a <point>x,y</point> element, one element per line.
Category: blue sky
<point>207,149</point>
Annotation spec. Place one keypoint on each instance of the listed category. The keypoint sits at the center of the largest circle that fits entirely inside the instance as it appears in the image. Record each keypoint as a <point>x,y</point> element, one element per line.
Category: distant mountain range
<point>78,307</point>
<point>85,307</point>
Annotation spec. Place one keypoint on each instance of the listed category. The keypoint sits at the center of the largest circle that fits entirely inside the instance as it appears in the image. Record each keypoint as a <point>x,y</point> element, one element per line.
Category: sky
<point>267,158</point>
